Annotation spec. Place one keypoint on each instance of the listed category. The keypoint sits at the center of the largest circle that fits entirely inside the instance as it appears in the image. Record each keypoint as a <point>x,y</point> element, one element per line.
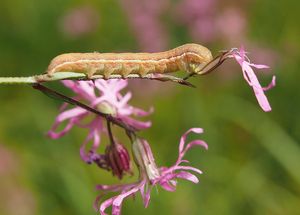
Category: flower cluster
<point>151,175</point>
<point>106,98</point>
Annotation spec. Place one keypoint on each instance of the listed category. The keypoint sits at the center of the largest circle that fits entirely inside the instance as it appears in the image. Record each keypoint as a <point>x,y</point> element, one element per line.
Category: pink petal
<point>271,84</point>
<point>68,83</point>
<point>118,85</point>
<point>197,143</point>
<point>140,112</point>
<point>116,210</point>
<point>241,54</point>
<point>259,66</point>
<point>94,133</point>
<point>145,191</point>
<point>55,135</point>
<point>96,202</point>
<point>96,139</point>
<point>147,199</point>
<point>168,187</point>
<point>100,85</point>
<point>183,138</point>
<point>84,156</point>
<point>105,205</point>
<point>258,90</point>
<point>135,123</point>
<point>81,88</point>
<point>73,115</point>
<point>116,206</point>
<point>98,101</point>
<point>194,143</point>
<point>251,78</point>
<point>188,176</point>
<point>125,99</point>
<point>187,168</point>
<point>112,188</point>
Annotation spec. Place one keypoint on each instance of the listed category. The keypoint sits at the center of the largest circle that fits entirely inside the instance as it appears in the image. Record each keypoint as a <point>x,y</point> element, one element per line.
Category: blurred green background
<point>253,162</point>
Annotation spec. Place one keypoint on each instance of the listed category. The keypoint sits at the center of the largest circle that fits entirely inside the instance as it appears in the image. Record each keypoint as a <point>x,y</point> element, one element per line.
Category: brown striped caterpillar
<point>191,58</point>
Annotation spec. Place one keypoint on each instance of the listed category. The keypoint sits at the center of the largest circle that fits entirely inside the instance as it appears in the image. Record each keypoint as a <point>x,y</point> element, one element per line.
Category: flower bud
<point>144,158</point>
<point>118,159</point>
<point>107,108</point>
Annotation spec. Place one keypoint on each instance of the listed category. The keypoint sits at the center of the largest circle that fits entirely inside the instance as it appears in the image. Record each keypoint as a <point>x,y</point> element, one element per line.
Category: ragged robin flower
<point>104,96</point>
<point>249,75</point>
<point>150,175</point>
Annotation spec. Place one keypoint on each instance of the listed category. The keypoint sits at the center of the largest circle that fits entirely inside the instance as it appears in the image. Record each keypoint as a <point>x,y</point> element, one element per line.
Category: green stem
<point>42,78</point>
<point>17,80</point>
<point>36,79</point>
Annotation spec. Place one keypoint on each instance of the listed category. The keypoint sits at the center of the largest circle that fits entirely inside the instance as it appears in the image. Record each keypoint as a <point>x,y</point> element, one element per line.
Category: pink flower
<point>144,19</point>
<point>104,96</point>
<point>118,160</point>
<point>232,24</point>
<point>80,21</point>
<point>115,159</point>
<point>250,77</point>
<point>199,17</point>
<point>150,175</point>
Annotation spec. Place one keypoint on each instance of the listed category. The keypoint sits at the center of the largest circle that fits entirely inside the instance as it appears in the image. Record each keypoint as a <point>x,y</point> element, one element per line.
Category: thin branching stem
<point>71,101</point>
<point>110,135</point>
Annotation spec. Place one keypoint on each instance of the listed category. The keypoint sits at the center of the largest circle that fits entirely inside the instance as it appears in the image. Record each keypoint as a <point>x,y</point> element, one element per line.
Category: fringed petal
<point>251,78</point>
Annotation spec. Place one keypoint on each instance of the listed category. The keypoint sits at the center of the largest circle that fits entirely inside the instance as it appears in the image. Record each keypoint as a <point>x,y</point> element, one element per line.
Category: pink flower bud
<point>144,159</point>
<point>118,159</point>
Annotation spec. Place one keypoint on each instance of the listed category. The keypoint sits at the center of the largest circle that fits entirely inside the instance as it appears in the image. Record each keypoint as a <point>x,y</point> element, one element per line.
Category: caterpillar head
<point>209,63</point>
<point>197,57</point>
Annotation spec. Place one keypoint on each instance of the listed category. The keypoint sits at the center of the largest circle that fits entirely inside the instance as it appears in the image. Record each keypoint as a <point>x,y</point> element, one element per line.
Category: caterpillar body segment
<point>189,57</point>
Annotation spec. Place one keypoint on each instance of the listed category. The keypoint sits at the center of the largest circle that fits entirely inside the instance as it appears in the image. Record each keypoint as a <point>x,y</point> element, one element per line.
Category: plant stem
<point>42,78</point>
<point>111,138</point>
<point>71,101</point>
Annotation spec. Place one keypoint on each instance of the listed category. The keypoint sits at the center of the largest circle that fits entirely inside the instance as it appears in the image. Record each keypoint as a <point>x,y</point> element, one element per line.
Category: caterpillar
<point>189,57</point>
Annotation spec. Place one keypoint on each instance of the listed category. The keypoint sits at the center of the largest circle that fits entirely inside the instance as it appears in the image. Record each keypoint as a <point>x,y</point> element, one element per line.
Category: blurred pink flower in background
<point>105,96</point>
<point>209,21</point>
<point>150,174</point>
<point>14,198</point>
<point>231,25</point>
<point>79,21</point>
<point>264,54</point>
<point>199,16</point>
<point>8,163</point>
<point>145,19</point>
